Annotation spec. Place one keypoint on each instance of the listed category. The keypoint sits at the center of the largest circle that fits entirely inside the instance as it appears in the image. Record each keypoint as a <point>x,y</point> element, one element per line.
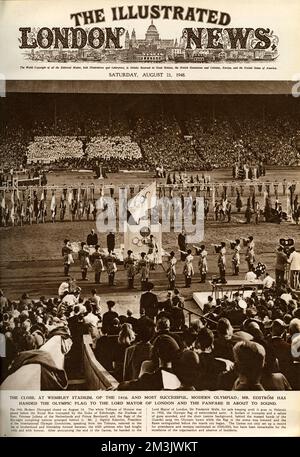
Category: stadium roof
<point>151,87</point>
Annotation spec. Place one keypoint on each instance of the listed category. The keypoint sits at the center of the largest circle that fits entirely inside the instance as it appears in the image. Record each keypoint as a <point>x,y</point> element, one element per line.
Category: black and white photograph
<point>87,304</point>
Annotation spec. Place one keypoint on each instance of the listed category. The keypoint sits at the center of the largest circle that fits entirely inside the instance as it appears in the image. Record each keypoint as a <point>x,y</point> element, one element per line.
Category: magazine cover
<point>149,220</point>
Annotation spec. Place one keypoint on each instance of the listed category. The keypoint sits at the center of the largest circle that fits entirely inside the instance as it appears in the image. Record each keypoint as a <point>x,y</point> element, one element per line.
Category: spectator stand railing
<point>191,314</point>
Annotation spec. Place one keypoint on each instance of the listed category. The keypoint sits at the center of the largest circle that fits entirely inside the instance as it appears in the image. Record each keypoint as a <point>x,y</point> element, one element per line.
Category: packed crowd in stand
<point>225,142</point>
<point>117,148</point>
<point>13,148</point>
<point>162,142</point>
<point>58,148</point>
<point>238,344</point>
<point>51,148</point>
<point>198,133</point>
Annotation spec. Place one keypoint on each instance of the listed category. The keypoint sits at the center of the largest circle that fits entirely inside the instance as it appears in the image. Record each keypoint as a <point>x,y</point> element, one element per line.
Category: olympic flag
<point>142,202</point>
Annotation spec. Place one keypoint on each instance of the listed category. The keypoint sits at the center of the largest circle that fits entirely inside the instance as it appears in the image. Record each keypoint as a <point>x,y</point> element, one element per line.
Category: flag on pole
<point>53,203</point>
<point>12,213</point>
<point>142,202</point>
<point>3,202</point>
<point>70,197</point>
<point>101,204</point>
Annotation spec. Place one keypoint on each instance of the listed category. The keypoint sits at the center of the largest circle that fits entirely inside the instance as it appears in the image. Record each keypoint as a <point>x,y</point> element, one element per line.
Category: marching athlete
<point>84,259</point>
<point>202,263</point>
<point>188,269</point>
<point>111,269</point>
<point>236,258</point>
<point>67,253</point>
<point>152,251</point>
<point>129,265</point>
<point>143,267</point>
<point>222,261</point>
<point>250,256</point>
<point>171,270</point>
<point>97,263</point>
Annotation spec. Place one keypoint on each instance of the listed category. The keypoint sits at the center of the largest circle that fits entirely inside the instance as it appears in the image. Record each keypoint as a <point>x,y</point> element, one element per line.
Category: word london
<point>79,38</point>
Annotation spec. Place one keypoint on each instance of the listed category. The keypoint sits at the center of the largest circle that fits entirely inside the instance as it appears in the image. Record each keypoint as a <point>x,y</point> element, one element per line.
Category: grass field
<point>75,177</point>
